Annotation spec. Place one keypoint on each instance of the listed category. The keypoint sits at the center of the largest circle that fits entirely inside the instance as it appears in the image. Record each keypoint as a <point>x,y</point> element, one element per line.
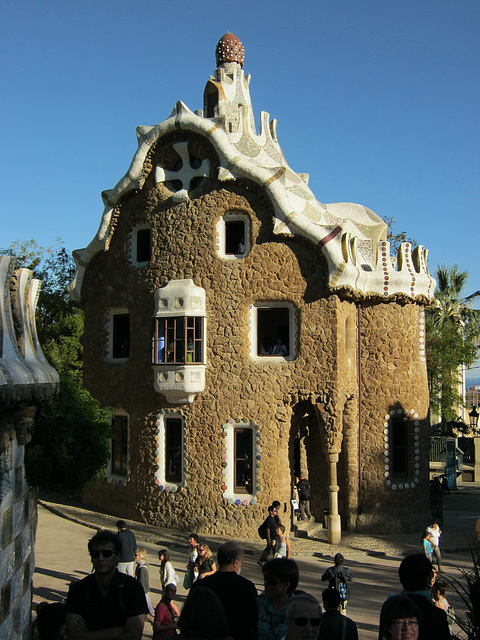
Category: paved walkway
<point>63,533</point>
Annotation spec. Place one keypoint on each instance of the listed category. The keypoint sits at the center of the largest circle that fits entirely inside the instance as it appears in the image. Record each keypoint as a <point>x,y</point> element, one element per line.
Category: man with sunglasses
<point>303,617</point>
<point>107,604</point>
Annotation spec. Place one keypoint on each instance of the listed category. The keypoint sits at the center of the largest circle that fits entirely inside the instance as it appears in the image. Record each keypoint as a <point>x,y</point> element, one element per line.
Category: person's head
<point>439,589</point>
<point>141,554</point>
<point>415,572</point>
<point>281,530</point>
<point>105,549</point>
<point>276,504</point>
<point>121,524</point>
<point>230,557</point>
<point>280,576</point>
<point>302,476</point>
<point>331,599</point>
<point>163,556</point>
<point>193,619</point>
<point>303,616</point>
<point>50,621</point>
<point>204,550</point>
<point>434,524</point>
<point>338,559</point>
<point>426,535</point>
<point>193,539</point>
<point>170,591</point>
<point>272,510</point>
<point>401,618</point>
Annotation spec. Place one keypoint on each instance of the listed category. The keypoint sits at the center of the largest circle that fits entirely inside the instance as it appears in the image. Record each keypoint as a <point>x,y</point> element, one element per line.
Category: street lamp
<point>473,417</point>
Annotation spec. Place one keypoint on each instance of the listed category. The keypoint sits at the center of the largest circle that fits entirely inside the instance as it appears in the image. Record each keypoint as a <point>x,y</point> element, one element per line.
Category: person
<point>50,621</point>
<point>270,530</point>
<point>195,625</point>
<point>193,544</point>
<point>280,349</point>
<point>338,578</point>
<point>303,617</point>
<point>401,618</point>
<point>129,544</point>
<point>439,590</point>
<point>141,574</point>
<point>435,533</point>
<point>335,626</point>
<point>237,594</point>
<point>165,622</point>
<point>280,577</point>
<point>416,574</point>
<point>303,488</point>
<point>282,543</point>
<point>167,572</point>
<point>427,545</point>
<point>276,505</point>
<point>204,563</point>
<point>477,529</point>
<point>106,600</point>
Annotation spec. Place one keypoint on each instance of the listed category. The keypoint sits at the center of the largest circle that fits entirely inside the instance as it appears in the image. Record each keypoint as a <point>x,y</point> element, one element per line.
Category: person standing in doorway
<point>303,488</point>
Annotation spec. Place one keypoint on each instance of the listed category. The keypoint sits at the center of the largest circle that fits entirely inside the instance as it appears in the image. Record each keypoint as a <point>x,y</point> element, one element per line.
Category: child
<point>282,546</point>
<point>427,545</point>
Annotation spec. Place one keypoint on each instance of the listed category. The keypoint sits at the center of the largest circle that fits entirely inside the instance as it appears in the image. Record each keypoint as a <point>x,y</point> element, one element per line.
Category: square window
<point>273,331</point>
<point>235,237</point>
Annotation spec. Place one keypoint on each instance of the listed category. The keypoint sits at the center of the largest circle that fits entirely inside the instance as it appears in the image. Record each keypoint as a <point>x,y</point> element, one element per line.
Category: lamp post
<point>473,418</point>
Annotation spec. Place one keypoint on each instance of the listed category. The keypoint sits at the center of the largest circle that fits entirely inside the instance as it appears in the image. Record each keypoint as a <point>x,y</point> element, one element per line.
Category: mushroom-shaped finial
<point>229,49</point>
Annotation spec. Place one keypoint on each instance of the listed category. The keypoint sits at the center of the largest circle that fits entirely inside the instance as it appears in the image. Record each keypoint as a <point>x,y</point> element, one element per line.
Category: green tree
<point>70,444</point>
<point>396,237</point>
<point>453,333</point>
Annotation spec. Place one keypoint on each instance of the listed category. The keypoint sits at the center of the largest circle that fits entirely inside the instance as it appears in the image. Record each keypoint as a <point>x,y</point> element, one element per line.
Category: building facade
<point>244,332</point>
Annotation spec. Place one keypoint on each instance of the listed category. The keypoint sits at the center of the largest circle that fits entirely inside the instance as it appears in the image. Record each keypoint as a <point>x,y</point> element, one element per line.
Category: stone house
<point>244,332</point>
<point>26,382</point>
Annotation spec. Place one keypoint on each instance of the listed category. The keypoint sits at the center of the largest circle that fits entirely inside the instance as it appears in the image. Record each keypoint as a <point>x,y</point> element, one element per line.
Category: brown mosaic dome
<point>229,49</point>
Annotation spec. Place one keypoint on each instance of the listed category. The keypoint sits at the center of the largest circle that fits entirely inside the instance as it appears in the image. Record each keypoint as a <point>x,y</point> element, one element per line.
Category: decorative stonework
<point>229,49</point>
<point>412,481</point>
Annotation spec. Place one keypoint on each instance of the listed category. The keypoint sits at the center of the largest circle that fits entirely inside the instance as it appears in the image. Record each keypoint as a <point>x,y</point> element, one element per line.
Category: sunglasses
<point>302,622</point>
<point>106,553</point>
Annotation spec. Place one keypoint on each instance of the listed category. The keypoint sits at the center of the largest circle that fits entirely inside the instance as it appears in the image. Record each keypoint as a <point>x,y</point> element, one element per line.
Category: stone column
<point>334,523</point>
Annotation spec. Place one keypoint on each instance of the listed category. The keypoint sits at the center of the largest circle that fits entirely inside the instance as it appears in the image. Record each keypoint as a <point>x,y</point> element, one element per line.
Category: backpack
<point>304,490</point>
<point>262,530</point>
<point>341,587</point>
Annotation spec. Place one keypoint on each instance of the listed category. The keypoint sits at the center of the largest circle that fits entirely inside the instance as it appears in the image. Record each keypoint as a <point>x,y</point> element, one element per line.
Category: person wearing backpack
<point>338,578</point>
<point>268,531</point>
<point>303,488</point>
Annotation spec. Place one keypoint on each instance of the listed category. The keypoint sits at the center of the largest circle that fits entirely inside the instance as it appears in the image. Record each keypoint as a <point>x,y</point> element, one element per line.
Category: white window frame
<point>161,422</point>
<point>292,331</point>
<point>114,477</point>
<point>232,216</point>
<point>228,470</point>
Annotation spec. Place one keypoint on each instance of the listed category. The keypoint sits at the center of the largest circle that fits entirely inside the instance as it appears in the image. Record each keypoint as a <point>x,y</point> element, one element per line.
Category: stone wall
<point>339,403</point>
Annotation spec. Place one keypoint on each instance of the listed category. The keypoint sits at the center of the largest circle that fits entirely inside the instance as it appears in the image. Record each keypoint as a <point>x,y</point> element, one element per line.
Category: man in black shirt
<point>237,594</point>
<point>270,529</point>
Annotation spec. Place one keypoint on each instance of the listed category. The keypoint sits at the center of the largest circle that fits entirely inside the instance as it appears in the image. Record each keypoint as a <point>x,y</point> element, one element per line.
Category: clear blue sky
<point>377,100</point>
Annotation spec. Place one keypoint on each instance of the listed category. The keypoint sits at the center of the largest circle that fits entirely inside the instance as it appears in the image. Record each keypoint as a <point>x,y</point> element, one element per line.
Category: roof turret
<point>229,49</point>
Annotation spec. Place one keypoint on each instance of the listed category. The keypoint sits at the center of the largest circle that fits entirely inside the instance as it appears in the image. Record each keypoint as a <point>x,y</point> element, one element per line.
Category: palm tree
<point>453,333</point>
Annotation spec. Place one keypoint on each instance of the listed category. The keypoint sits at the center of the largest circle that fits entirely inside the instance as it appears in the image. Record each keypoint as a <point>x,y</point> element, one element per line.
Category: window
<point>233,235</point>
<point>243,443</point>
<point>173,449</point>
<point>170,475</point>
<point>399,448</point>
<point>119,453</point>
<point>178,340</point>
<point>121,335</point>
<point>273,331</point>
<point>143,245</point>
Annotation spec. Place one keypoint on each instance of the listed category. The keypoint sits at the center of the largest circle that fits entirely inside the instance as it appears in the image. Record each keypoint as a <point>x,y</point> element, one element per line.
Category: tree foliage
<point>396,237</point>
<point>70,443</point>
<point>453,334</point>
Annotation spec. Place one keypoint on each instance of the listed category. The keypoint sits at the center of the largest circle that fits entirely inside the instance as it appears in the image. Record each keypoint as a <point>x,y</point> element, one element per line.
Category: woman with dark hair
<point>280,577</point>
<point>164,624</point>
<point>400,619</point>
<point>203,617</point>
<point>167,572</point>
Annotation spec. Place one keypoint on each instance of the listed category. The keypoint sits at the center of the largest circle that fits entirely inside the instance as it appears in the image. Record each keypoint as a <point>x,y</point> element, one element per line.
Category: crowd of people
<point>114,601</point>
